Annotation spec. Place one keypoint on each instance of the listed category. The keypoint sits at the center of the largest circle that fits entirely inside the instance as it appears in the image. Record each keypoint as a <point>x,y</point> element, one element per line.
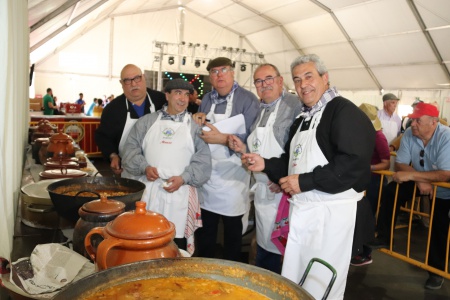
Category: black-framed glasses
<point>215,72</point>
<point>136,79</point>
<point>267,81</point>
<point>421,154</point>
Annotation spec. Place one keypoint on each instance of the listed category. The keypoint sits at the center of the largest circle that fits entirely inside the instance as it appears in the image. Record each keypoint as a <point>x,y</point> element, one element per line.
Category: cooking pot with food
<point>266,284</point>
<point>67,203</point>
<point>96,213</point>
<point>133,236</point>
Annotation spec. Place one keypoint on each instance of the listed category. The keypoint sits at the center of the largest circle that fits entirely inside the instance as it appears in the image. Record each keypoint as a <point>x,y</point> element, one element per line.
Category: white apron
<point>226,192</point>
<point>321,224</point>
<point>126,130</point>
<point>262,141</point>
<point>390,130</point>
<point>172,155</point>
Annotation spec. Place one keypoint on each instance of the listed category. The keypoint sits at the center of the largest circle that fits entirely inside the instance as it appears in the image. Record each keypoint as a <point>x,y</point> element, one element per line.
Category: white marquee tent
<point>370,47</point>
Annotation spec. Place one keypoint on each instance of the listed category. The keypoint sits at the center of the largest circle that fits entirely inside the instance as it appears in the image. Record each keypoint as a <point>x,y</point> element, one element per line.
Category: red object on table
<point>72,108</point>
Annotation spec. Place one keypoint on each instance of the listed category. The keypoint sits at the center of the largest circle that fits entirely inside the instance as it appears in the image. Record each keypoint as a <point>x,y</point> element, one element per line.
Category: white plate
<point>39,189</point>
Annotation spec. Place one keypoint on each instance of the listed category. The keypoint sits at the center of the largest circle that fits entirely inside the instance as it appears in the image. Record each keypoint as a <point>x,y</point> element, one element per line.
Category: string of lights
<point>199,85</point>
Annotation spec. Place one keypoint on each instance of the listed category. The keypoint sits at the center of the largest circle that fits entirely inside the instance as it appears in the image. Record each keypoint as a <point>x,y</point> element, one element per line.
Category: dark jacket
<point>347,139</point>
<point>114,117</point>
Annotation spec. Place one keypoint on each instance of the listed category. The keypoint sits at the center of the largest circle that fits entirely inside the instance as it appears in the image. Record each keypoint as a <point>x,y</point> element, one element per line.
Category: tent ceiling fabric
<point>367,45</point>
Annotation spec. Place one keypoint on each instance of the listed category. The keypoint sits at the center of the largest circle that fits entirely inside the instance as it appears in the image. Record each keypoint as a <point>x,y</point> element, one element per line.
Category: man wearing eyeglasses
<point>119,116</point>
<point>425,144</point>
<point>270,132</point>
<point>225,195</point>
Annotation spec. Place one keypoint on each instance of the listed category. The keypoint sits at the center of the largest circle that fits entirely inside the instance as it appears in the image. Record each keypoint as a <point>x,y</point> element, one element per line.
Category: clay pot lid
<point>63,159</point>
<point>62,173</point>
<point>42,139</point>
<point>45,128</point>
<point>61,137</point>
<point>104,206</point>
<point>139,224</point>
<point>61,163</point>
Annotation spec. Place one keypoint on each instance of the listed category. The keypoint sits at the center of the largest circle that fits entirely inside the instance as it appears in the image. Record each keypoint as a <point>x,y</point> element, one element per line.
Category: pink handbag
<point>281,230</point>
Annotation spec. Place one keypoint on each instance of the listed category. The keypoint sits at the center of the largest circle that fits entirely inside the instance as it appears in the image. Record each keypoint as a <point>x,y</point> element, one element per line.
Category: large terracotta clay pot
<point>61,145</point>
<point>133,236</point>
<point>96,213</point>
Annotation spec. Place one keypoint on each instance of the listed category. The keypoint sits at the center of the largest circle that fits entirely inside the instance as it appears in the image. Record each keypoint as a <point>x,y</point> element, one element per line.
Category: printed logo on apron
<point>256,145</point>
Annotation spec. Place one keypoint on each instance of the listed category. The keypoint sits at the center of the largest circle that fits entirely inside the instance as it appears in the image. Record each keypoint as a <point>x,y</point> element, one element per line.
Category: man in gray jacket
<point>164,149</point>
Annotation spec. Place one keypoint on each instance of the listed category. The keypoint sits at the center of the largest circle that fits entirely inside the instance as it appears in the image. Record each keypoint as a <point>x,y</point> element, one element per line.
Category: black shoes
<point>361,260</point>
<point>434,282</point>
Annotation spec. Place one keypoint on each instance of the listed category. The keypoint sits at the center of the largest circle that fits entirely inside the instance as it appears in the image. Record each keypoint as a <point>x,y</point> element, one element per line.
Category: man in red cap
<point>426,144</point>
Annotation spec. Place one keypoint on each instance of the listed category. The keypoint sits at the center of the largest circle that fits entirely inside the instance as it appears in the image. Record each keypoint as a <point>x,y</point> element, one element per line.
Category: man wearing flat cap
<point>390,121</point>
<point>426,144</point>
<point>226,194</point>
<point>164,149</point>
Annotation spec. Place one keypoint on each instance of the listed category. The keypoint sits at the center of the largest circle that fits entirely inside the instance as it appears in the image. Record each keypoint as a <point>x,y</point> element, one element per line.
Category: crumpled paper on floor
<point>49,268</point>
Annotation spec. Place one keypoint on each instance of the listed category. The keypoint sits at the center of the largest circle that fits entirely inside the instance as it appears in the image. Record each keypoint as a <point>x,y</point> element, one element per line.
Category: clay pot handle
<point>103,249</point>
<point>87,241</point>
<point>64,171</point>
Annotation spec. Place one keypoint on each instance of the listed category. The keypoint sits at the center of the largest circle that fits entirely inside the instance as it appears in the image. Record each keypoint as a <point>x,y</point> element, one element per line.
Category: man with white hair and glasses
<point>121,114</point>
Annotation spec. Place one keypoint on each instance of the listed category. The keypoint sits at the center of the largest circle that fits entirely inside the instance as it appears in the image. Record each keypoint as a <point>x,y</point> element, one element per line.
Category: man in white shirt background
<point>390,120</point>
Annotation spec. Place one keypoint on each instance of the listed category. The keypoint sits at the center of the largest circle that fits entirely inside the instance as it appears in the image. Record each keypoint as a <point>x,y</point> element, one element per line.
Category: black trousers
<point>441,220</point>
<point>206,236</point>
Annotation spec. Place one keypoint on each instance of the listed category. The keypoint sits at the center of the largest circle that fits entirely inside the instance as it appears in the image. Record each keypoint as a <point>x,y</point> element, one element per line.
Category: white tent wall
<point>13,113</point>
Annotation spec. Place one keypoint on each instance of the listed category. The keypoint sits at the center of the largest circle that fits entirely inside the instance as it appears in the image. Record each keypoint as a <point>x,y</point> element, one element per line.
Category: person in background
<point>269,134</point>
<point>406,122</point>
<point>367,207</point>
<point>81,102</point>
<point>226,195</point>
<point>49,103</point>
<point>390,121</point>
<point>98,109</point>
<point>120,115</point>
<point>165,150</point>
<point>56,110</point>
<point>426,144</point>
<point>194,102</point>
<point>91,107</point>
<point>325,169</point>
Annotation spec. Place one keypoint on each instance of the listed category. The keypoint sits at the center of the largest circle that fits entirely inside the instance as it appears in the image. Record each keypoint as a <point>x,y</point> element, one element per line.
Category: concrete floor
<point>385,278</point>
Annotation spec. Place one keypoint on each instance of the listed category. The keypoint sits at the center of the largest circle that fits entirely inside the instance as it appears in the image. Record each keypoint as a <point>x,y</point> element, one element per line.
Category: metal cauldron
<point>67,206</point>
<point>265,282</point>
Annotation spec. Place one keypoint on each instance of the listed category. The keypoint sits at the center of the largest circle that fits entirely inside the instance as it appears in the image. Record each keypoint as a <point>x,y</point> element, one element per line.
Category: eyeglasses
<point>421,154</point>
<point>136,79</point>
<point>215,72</point>
<point>268,80</point>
